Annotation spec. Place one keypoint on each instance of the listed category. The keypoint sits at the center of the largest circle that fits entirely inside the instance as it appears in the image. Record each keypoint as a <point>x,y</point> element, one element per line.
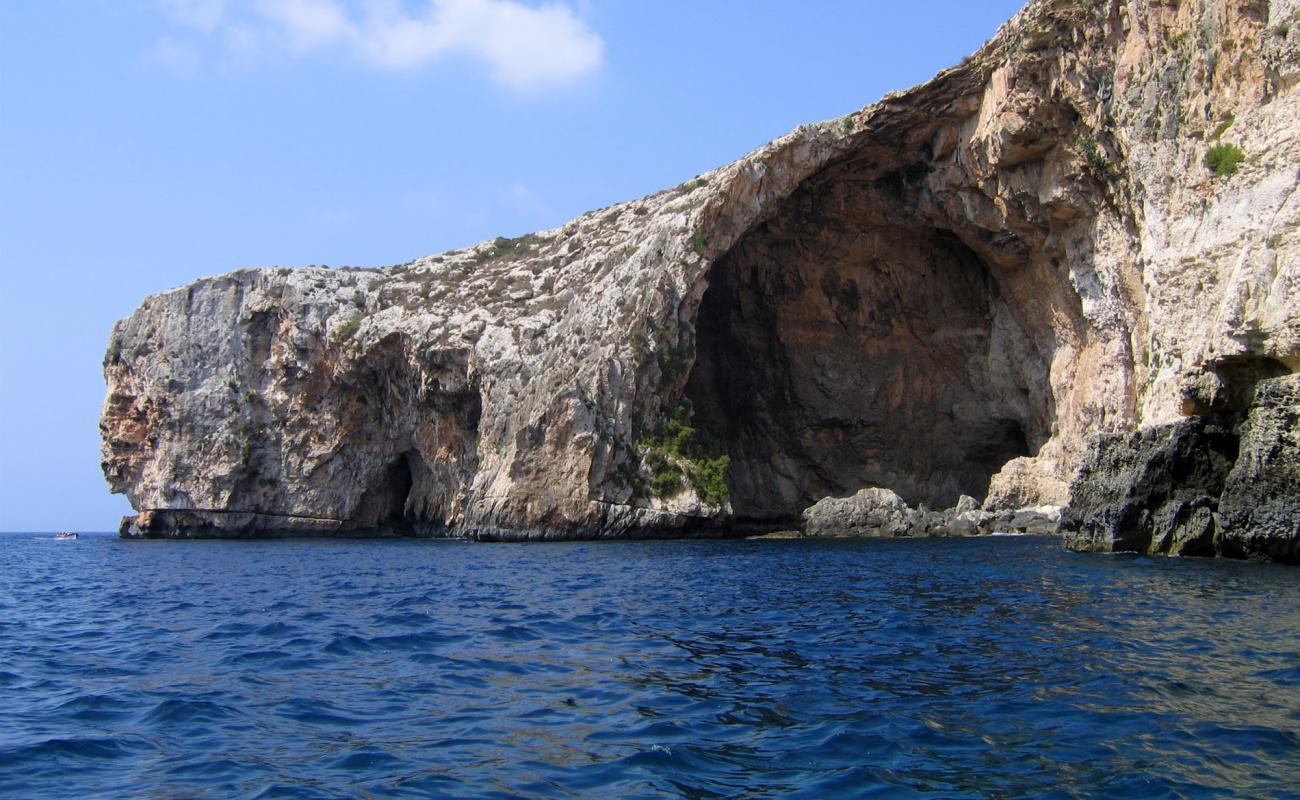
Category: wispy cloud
<point>524,47</point>
<point>201,15</point>
<point>525,202</point>
<point>178,58</point>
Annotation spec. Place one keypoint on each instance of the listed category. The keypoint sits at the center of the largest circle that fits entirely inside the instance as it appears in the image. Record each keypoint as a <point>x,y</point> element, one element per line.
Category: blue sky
<point>145,143</point>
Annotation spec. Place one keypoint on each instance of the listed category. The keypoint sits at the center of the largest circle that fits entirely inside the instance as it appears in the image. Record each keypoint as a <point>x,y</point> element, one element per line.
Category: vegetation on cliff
<point>677,459</point>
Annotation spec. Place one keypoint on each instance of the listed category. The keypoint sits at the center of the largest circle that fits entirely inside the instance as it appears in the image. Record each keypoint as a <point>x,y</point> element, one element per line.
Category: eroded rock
<point>1152,491</point>
<point>1203,486</point>
<point>946,293</point>
<point>870,512</point>
<point>1259,510</point>
<point>879,512</point>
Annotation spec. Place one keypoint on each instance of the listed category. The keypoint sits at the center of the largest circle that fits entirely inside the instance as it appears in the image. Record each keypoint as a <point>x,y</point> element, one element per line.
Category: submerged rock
<point>950,292</point>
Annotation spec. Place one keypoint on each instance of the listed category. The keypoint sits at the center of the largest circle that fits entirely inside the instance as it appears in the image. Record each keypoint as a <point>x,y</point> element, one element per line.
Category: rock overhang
<point>983,244</point>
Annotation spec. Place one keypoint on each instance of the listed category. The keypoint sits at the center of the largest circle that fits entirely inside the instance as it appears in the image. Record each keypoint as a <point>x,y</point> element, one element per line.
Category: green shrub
<point>698,243</point>
<point>709,477</point>
<point>1223,159</point>
<point>1274,241</point>
<point>505,245</point>
<point>673,457</point>
<point>665,474</point>
<point>349,328</point>
<point>677,434</point>
<point>1097,161</point>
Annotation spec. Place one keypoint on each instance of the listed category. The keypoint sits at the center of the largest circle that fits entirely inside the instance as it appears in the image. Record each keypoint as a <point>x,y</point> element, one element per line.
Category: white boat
<point>65,535</point>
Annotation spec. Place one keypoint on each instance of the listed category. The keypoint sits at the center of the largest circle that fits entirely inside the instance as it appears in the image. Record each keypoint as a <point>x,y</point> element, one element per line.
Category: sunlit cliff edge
<point>1062,273</point>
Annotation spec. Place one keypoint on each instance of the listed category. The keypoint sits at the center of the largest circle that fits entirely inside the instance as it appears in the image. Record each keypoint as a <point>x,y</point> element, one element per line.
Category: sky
<point>146,143</point>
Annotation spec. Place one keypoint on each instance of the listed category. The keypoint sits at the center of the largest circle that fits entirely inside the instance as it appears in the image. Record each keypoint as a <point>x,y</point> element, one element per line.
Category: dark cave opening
<point>837,351</point>
<point>383,506</point>
<point>413,477</point>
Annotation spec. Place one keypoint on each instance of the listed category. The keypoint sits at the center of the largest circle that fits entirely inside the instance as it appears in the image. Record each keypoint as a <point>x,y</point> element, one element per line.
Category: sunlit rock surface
<point>958,290</point>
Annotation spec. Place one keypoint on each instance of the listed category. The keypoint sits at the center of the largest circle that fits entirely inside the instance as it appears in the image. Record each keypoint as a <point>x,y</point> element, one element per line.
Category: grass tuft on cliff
<point>1097,161</point>
<point>349,328</point>
<point>1223,159</point>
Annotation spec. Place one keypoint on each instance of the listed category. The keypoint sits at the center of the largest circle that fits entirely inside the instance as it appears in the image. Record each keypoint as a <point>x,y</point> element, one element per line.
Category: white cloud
<point>204,16</point>
<point>524,47</point>
<point>178,58</point>
<point>307,23</point>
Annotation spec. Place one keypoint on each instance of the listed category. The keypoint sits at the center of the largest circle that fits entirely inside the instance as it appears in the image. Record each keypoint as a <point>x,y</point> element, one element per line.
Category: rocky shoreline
<point>881,513</point>
<point>1063,274</point>
<point>1209,485</point>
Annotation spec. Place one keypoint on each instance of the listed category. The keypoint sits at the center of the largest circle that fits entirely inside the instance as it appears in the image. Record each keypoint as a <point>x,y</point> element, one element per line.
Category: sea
<point>999,667</point>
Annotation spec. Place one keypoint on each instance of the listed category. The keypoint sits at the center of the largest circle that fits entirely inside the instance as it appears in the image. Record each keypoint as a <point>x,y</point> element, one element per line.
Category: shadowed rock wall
<point>839,348</point>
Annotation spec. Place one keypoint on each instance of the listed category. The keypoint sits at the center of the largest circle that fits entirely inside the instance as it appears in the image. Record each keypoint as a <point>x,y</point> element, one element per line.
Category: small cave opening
<point>383,506</point>
<point>413,435</point>
<point>842,349</point>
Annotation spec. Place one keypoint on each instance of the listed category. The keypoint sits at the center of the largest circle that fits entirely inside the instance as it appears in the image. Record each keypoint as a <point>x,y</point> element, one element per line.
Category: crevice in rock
<point>416,473</point>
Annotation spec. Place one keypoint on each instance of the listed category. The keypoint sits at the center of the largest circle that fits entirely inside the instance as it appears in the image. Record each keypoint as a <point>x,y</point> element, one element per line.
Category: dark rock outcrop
<point>1260,506</point>
<point>1208,485</point>
<point>1155,490</point>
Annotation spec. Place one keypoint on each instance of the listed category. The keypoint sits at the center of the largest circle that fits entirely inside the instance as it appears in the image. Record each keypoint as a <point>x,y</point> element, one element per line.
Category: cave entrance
<point>383,506</point>
<point>836,352</point>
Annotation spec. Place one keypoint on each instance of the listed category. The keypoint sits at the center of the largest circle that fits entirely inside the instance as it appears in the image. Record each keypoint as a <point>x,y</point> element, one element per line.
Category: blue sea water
<point>997,667</point>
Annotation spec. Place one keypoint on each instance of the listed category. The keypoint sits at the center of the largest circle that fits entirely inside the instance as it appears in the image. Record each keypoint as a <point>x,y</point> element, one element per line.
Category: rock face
<point>1260,506</point>
<point>870,512</point>
<point>1152,491</point>
<point>954,291</point>
<point>1208,485</point>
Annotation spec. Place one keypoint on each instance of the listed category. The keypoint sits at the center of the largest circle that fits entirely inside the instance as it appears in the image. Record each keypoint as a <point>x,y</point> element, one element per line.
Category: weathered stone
<point>1204,486</point>
<point>945,293</point>
<point>1151,491</point>
<point>870,512</point>
<point>1039,520</point>
<point>881,512</point>
<point>1260,506</point>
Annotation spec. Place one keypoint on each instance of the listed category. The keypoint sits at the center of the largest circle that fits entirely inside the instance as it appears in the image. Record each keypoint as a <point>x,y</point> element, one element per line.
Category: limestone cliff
<point>954,291</point>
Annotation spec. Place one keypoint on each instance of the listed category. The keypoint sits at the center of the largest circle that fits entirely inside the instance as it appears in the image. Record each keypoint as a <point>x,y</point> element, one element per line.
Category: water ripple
<point>971,668</point>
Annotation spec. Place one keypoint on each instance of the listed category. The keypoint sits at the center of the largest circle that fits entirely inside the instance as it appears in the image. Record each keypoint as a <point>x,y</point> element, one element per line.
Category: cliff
<point>968,288</point>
